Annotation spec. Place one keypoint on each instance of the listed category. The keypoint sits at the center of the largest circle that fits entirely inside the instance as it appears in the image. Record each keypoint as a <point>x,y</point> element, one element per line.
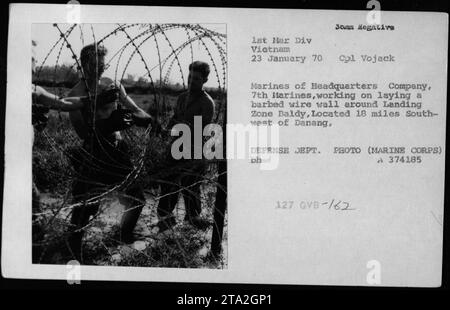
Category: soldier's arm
<point>129,103</point>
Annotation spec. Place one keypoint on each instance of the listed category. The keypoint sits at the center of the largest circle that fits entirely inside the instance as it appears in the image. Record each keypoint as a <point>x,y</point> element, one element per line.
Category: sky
<point>46,35</point>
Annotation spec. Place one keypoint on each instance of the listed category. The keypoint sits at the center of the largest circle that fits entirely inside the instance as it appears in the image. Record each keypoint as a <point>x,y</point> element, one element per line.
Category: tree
<point>142,82</point>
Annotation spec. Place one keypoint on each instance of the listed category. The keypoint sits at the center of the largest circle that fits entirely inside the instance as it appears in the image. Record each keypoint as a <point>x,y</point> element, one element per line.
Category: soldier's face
<point>195,80</point>
<point>101,65</point>
<point>98,61</point>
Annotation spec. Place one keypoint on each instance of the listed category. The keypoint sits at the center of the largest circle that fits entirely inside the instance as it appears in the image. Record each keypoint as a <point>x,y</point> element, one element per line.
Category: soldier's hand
<point>121,119</point>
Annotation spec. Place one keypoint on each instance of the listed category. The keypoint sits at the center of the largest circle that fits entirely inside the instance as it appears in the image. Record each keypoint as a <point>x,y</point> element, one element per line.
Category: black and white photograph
<point>115,181</point>
<point>219,145</point>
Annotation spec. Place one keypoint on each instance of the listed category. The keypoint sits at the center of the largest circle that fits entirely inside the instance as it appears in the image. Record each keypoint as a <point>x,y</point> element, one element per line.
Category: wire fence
<point>58,155</point>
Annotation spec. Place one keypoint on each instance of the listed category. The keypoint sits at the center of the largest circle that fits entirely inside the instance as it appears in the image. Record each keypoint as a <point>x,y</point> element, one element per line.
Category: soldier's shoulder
<point>36,89</point>
<point>106,82</point>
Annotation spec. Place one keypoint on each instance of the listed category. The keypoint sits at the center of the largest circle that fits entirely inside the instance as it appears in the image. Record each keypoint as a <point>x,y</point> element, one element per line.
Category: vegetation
<point>53,174</point>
